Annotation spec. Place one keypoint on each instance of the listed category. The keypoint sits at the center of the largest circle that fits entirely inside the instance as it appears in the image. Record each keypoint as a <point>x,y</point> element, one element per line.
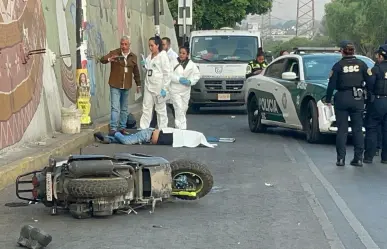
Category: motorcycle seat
<point>141,159</point>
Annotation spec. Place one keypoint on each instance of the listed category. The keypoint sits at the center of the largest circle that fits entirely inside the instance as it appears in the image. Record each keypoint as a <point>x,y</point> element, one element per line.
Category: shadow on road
<point>221,111</point>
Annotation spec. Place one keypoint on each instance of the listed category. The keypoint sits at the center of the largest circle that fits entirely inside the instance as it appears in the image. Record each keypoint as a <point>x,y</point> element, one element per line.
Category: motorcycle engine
<point>96,187</point>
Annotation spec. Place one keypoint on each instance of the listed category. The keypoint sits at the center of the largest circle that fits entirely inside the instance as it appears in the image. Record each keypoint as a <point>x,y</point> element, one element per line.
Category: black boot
<point>357,163</point>
<point>340,162</point>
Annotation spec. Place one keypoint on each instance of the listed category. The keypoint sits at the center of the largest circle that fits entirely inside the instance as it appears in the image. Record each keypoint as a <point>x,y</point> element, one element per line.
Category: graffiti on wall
<point>67,69</point>
<point>22,29</point>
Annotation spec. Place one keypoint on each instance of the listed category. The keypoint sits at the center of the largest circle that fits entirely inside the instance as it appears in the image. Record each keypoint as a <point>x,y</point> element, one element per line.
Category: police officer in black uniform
<point>256,66</point>
<point>377,107</point>
<point>348,77</point>
<point>379,129</point>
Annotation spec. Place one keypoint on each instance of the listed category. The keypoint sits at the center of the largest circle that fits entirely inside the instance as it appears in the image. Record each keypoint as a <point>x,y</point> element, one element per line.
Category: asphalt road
<point>272,190</point>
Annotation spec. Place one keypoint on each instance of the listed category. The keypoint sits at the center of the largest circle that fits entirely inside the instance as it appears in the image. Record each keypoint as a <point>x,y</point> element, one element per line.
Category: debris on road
<point>268,184</point>
<point>157,226</point>
<point>16,204</point>
<point>33,238</point>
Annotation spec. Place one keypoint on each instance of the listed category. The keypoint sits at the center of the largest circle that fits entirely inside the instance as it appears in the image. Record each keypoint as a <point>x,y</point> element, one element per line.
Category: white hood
<point>222,70</point>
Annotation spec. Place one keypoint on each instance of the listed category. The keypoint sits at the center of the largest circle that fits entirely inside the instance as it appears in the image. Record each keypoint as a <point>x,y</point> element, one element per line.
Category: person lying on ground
<point>166,136</point>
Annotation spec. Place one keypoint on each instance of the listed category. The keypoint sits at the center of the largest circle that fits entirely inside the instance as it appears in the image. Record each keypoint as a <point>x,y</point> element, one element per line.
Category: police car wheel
<point>311,126</point>
<point>254,116</point>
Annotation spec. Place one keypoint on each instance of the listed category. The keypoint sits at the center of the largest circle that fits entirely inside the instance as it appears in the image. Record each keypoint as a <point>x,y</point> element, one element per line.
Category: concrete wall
<point>34,87</point>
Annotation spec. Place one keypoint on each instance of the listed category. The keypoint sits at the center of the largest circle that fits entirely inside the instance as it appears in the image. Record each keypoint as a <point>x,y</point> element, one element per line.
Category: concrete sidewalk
<point>34,156</point>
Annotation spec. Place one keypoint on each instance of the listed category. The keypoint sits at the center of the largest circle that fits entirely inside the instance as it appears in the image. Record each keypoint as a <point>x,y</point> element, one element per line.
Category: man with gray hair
<point>124,67</point>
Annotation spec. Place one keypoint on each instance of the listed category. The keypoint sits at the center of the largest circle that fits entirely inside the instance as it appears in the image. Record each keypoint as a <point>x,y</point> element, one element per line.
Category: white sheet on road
<point>187,138</point>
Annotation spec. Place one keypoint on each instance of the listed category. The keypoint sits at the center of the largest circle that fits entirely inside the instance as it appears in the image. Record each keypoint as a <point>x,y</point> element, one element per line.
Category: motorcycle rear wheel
<point>198,171</point>
<point>97,187</point>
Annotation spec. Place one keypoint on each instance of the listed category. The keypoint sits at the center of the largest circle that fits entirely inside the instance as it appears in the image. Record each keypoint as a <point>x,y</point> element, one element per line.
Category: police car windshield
<point>318,67</point>
<point>224,48</point>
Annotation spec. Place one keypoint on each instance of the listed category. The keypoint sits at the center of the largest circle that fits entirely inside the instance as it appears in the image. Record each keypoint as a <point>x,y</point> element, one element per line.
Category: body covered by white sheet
<point>187,138</point>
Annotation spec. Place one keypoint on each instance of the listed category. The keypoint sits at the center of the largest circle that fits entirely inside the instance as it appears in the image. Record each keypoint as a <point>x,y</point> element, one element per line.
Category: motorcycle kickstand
<point>129,211</point>
<point>54,209</point>
<point>154,201</point>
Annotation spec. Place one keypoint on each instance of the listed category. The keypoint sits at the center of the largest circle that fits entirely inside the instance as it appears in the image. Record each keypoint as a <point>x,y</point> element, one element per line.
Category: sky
<point>281,9</point>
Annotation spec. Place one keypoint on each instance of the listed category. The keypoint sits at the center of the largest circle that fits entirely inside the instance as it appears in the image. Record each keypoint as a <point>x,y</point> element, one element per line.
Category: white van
<point>222,57</point>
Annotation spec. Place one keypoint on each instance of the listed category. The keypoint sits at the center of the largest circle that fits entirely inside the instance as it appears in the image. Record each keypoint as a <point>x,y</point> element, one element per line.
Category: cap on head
<point>346,44</point>
<point>382,50</point>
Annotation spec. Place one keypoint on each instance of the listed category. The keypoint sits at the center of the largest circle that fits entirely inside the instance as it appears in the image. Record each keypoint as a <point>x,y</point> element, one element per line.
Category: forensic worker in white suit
<point>185,74</point>
<point>157,82</point>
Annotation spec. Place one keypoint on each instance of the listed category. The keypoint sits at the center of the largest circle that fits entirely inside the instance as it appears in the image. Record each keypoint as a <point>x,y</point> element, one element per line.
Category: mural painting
<point>22,30</point>
<point>67,69</point>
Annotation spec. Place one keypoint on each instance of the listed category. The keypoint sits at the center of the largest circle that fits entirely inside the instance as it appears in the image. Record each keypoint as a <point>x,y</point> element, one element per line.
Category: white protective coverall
<point>172,55</point>
<point>158,77</point>
<point>180,94</point>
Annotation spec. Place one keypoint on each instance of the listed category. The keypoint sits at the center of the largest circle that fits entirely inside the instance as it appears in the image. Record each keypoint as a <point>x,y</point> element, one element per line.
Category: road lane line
<point>359,229</point>
<point>329,231</point>
<point>289,154</point>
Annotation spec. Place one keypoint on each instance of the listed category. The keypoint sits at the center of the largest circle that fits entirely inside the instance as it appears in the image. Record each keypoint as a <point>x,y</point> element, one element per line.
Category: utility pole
<point>157,16</point>
<point>266,26</point>
<point>185,16</point>
<point>184,21</point>
<point>305,18</point>
<point>78,33</point>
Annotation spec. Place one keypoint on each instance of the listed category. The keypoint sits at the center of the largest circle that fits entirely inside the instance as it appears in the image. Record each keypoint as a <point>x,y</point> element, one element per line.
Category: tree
<point>214,14</point>
<point>364,22</point>
<point>276,46</point>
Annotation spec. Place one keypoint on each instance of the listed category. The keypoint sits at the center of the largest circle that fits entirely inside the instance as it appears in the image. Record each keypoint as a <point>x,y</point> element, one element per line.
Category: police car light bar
<point>303,50</point>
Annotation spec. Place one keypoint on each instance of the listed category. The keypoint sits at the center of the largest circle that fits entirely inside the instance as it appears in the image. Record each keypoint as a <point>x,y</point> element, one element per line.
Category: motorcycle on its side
<point>98,185</point>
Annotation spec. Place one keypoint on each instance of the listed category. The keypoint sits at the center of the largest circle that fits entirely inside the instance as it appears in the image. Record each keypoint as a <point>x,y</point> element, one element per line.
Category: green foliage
<point>364,22</point>
<point>276,46</point>
<point>214,14</point>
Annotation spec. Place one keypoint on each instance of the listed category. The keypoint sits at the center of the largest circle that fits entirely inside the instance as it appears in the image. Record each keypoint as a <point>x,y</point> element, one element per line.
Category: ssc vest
<point>351,74</point>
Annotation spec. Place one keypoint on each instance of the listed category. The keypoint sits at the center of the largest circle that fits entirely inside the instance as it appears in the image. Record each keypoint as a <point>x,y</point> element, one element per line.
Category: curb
<point>9,172</point>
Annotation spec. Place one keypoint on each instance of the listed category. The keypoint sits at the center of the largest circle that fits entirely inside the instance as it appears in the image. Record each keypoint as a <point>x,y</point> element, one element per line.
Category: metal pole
<point>184,21</point>
<point>78,27</point>
<point>157,17</point>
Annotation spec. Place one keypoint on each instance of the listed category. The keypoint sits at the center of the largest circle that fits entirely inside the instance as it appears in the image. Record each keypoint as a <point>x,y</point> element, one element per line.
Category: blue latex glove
<point>184,81</point>
<point>142,63</point>
<point>163,93</point>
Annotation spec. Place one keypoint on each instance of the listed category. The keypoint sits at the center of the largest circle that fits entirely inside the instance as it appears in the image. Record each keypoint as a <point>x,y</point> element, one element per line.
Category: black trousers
<point>380,134</point>
<point>153,123</point>
<point>376,118</point>
<point>346,106</point>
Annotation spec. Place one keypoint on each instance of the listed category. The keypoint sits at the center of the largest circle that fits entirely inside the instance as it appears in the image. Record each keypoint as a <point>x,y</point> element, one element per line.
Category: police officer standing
<point>377,107</point>
<point>256,66</point>
<point>348,77</point>
<point>379,129</point>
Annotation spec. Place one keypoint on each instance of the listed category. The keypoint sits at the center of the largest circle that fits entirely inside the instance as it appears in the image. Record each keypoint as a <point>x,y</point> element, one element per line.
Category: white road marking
<point>329,231</point>
<point>289,154</point>
<point>359,229</point>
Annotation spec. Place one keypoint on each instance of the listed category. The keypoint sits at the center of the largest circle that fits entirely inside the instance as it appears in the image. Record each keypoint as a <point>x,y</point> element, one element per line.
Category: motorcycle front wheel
<point>191,180</point>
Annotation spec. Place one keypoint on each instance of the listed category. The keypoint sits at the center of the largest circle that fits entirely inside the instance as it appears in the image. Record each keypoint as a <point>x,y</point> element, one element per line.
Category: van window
<point>224,48</point>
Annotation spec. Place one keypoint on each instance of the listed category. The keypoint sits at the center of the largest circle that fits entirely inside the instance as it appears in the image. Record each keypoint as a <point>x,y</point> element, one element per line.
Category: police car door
<point>291,94</point>
<point>270,92</point>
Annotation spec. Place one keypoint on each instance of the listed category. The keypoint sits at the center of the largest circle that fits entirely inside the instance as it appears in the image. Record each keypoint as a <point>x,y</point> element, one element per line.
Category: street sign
<point>188,12</point>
